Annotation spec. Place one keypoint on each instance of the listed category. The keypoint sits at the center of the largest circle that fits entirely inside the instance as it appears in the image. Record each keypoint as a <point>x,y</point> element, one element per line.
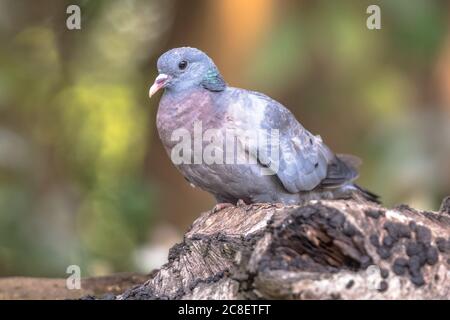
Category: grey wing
<point>303,162</point>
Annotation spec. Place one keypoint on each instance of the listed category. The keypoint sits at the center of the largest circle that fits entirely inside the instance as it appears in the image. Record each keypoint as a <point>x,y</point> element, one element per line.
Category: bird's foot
<point>221,206</point>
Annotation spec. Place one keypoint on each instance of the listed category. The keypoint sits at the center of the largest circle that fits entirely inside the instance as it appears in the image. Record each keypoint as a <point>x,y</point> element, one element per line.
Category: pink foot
<point>221,206</point>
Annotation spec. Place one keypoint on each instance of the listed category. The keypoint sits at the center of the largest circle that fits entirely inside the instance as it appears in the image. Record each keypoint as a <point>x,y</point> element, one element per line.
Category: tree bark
<point>341,249</point>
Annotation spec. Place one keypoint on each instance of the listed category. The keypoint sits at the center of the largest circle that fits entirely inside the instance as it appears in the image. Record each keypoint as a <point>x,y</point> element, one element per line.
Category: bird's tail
<point>354,162</point>
<point>366,194</point>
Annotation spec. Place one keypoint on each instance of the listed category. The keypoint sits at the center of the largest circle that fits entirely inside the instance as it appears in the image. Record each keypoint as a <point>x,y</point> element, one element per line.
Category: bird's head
<point>186,68</point>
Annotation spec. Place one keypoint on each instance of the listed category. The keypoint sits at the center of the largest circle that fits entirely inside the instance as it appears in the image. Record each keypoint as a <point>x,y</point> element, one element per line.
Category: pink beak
<point>159,83</point>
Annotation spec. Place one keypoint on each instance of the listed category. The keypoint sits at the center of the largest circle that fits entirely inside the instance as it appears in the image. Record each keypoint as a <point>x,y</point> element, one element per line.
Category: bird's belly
<point>234,181</point>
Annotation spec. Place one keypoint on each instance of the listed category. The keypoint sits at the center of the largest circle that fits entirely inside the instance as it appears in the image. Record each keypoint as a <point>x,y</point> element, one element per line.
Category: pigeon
<point>285,163</point>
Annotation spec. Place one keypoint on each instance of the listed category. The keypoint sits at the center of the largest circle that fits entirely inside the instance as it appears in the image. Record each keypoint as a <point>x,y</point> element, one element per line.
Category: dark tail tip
<point>370,196</point>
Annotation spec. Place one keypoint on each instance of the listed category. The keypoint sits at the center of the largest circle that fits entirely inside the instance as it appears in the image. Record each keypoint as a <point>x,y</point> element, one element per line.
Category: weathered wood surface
<point>343,249</point>
<point>26,288</point>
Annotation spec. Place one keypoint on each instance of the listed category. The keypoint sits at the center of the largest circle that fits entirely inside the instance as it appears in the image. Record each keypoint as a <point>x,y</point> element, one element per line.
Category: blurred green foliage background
<point>83,177</point>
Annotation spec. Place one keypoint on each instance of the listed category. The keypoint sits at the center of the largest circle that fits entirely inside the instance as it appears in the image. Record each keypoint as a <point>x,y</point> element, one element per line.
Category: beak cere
<point>159,83</point>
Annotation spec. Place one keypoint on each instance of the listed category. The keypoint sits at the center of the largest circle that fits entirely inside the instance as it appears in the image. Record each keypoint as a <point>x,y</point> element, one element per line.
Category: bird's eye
<point>182,65</point>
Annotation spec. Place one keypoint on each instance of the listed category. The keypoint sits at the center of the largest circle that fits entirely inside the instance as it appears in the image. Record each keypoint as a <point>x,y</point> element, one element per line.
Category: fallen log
<point>341,249</point>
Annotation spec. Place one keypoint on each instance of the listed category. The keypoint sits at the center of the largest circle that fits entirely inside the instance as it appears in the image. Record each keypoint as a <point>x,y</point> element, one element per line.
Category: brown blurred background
<point>83,177</point>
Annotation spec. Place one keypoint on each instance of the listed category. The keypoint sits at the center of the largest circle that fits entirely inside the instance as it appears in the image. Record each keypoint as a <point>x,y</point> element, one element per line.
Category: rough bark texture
<point>343,249</point>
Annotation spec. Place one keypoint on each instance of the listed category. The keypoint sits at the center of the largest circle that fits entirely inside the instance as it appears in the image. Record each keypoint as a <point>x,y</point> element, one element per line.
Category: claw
<point>221,206</point>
